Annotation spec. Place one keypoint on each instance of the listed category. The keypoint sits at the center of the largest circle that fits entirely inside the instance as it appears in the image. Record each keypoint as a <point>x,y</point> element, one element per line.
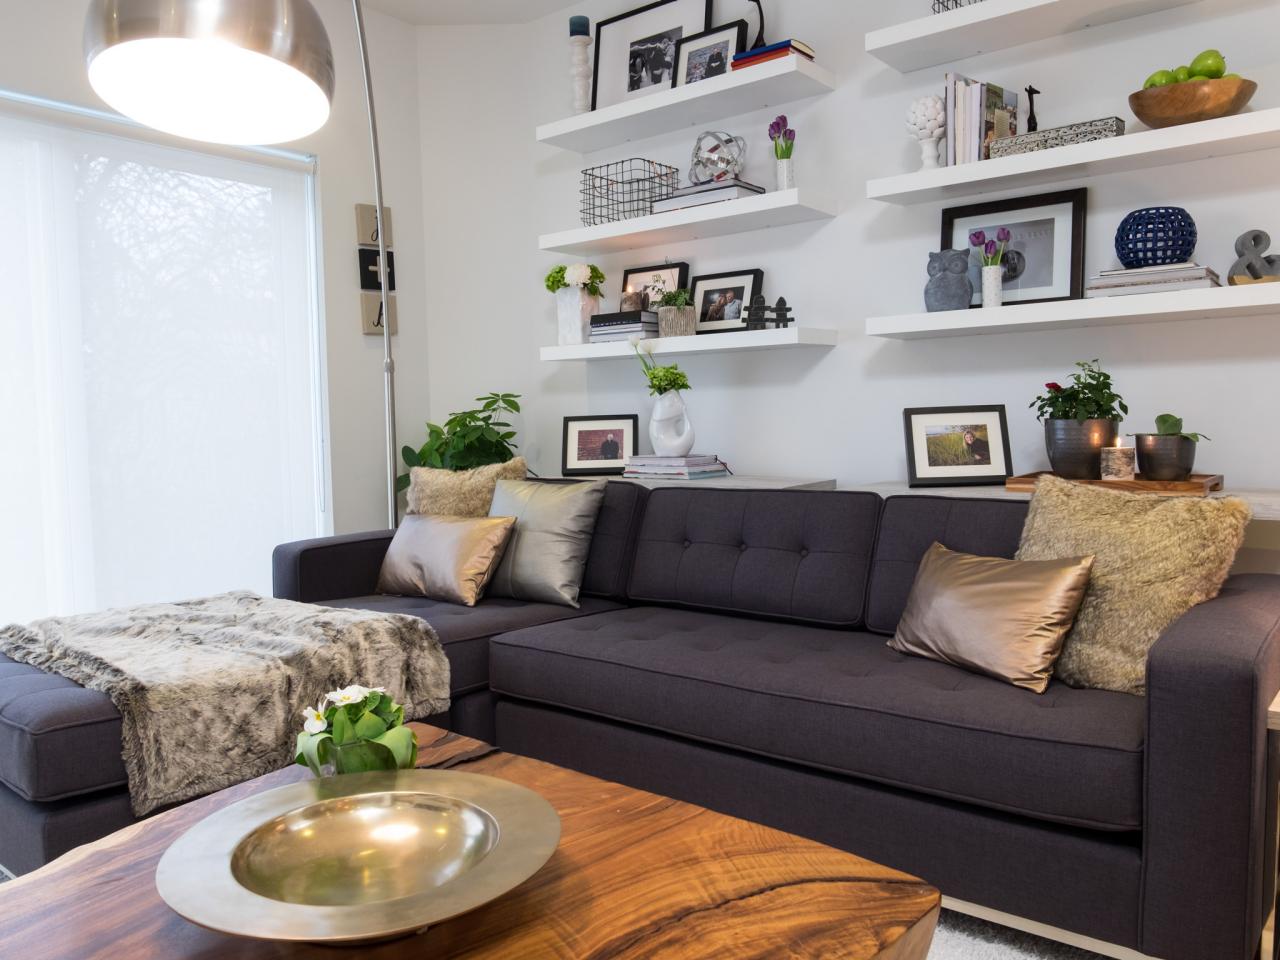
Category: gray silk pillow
<point>547,553</point>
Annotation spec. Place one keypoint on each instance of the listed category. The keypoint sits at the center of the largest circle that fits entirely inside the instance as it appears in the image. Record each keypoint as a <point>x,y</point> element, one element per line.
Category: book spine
<point>770,48</point>
<point>766,57</point>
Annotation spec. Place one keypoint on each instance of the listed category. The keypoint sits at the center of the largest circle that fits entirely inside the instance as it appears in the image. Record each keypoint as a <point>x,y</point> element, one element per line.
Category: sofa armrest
<point>1208,857</point>
<point>329,568</point>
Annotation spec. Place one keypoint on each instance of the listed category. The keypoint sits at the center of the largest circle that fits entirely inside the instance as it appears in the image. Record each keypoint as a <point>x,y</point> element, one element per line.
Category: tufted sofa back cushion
<point>911,525</point>
<point>793,554</point>
<point>613,541</point>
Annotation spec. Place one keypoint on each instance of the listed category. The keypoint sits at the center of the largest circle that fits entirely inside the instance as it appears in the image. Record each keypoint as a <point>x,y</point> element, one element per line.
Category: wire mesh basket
<point>941,6</point>
<point>625,189</point>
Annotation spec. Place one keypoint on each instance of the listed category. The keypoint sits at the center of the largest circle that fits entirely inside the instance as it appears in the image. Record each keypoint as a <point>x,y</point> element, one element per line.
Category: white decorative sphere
<point>927,118</point>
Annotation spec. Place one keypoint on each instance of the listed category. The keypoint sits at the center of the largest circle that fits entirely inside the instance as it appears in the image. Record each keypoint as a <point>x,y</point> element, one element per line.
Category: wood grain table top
<point>636,875</point>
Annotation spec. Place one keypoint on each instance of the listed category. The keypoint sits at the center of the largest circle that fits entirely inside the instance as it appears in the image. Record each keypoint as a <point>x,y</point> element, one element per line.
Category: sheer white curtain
<point>161,422</point>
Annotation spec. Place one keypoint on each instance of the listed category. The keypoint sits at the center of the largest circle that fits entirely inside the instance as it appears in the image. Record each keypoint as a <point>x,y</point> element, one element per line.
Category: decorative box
<point>1058,137</point>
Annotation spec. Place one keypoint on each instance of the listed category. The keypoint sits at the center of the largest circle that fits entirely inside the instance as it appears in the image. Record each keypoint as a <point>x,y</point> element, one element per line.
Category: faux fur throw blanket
<point>212,691</point>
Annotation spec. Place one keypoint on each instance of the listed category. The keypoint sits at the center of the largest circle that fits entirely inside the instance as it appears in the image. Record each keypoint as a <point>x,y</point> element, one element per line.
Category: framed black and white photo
<point>957,446</point>
<point>722,299</point>
<point>599,446</point>
<point>709,54</point>
<point>654,281</point>
<point>636,51</point>
<point>1043,261</point>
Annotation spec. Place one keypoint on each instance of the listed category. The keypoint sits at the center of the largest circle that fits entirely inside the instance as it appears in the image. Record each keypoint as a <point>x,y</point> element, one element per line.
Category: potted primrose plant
<point>676,314</point>
<point>577,288</point>
<point>991,252</point>
<point>1169,453</point>
<point>1079,420</point>
<point>670,431</point>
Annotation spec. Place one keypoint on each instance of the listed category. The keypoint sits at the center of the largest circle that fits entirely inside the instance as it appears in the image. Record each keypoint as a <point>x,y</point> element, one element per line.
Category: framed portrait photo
<point>653,282</point>
<point>957,446</point>
<point>708,54</point>
<point>1043,261</point>
<point>599,446</point>
<point>636,51</point>
<point>722,299</point>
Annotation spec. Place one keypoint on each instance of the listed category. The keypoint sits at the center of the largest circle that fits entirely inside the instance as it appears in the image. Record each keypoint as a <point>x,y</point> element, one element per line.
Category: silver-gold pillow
<point>547,553</point>
<point>444,558</point>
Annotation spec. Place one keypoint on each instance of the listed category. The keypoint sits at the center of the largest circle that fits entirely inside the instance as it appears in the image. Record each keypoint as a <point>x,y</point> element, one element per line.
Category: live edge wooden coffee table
<point>636,875</point>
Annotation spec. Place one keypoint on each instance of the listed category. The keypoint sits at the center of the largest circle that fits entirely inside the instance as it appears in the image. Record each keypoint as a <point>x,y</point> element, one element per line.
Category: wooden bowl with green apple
<point>1201,91</point>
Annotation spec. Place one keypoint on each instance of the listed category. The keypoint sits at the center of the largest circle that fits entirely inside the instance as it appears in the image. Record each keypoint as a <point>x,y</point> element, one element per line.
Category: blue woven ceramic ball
<point>1155,236</point>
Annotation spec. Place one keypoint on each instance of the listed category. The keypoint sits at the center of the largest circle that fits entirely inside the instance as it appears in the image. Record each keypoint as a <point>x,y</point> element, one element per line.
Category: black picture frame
<point>737,31</point>
<point>756,277</point>
<point>1078,198</point>
<point>622,17</point>
<point>916,475</point>
<point>679,266</point>
<point>567,467</point>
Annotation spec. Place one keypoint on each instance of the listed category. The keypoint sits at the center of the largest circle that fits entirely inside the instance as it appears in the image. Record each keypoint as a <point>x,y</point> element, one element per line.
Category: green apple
<point>1210,64</point>
<point>1161,78</point>
<point>1181,74</point>
<point>1230,76</point>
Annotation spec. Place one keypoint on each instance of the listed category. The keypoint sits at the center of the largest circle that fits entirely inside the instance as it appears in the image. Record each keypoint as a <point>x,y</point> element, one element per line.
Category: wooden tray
<point>1197,485</point>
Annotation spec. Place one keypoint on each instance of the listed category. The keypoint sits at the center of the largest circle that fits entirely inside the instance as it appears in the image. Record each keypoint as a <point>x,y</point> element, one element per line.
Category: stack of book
<point>730,188</point>
<point>694,467</point>
<point>774,51</point>
<point>1162,279</point>
<point>608,327</point>
<point>977,113</point>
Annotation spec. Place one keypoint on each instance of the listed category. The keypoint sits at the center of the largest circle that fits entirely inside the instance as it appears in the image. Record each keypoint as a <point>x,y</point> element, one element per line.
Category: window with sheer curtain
<point>162,424</point>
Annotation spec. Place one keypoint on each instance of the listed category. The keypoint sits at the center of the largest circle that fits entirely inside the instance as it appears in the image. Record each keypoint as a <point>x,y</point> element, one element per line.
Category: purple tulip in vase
<point>991,252</point>
<point>784,142</point>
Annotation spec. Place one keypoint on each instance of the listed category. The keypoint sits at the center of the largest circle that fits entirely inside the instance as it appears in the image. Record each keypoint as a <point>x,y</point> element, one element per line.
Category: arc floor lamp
<point>235,72</point>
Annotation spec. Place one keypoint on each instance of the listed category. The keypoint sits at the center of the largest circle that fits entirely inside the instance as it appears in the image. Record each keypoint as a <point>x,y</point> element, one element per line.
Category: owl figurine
<point>949,286</point>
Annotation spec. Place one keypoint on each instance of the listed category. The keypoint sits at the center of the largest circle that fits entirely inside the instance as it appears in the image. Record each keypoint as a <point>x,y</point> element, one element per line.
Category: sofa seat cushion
<point>58,739</point>
<point>843,702</point>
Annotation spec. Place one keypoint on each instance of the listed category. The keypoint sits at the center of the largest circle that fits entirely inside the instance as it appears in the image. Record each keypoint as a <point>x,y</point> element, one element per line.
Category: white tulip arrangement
<point>354,730</point>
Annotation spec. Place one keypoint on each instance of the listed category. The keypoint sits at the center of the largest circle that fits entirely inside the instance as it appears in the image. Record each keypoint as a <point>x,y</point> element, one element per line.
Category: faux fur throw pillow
<point>1154,559</point>
<point>460,493</point>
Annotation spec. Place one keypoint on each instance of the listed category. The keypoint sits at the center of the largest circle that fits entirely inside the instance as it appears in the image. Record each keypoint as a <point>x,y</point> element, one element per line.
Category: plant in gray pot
<point>677,316</point>
<point>1079,420</point>
<point>1169,453</point>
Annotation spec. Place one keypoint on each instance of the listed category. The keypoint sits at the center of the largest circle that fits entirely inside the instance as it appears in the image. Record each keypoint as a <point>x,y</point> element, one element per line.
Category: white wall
<point>490,190</point>
<point>40,53</point>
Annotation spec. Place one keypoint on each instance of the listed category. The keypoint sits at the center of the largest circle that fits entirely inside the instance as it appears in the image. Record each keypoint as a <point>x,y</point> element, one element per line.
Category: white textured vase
<point>992,286</point>
<point>574,310</point>
<point>786,175</point>
<point>670,431</point>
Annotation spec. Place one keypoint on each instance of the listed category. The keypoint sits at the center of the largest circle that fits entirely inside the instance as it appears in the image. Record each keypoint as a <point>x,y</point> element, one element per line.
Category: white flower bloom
<point>315,722</point>
<point>352,694</point>
<point>634,340</point>
<point>648,345</point>
<point>577,274</point>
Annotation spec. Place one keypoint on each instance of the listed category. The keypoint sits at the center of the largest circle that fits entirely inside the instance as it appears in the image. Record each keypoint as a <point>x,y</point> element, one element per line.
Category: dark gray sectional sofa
<point>730,651</point>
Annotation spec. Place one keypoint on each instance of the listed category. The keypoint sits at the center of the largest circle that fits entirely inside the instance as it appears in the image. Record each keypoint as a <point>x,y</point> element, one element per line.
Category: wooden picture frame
<point>746,284</point>
<point>616,55</point>
<point>720,64</point>
<point>584,454</point>
<point>936,436</point>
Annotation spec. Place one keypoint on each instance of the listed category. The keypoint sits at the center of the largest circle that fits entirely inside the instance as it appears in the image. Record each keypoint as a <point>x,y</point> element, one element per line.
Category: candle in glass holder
<point>1118,462</point>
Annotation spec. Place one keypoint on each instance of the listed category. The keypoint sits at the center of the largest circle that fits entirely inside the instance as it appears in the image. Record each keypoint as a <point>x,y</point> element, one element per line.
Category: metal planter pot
<point>1165,457</point>
<point>1075,446</point>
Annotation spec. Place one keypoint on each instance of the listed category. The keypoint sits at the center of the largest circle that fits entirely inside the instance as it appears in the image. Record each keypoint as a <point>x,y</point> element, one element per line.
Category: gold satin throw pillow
<point>459,493</point>
<point>1155,559</point>
<point>1004,618</point>
<point>444,558</point>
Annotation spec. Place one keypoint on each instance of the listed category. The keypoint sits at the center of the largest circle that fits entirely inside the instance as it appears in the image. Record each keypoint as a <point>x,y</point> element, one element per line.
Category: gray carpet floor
<point>966,938</point>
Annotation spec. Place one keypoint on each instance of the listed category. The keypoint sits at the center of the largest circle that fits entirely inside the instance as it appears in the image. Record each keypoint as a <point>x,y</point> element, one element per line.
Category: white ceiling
<point>456,12</point>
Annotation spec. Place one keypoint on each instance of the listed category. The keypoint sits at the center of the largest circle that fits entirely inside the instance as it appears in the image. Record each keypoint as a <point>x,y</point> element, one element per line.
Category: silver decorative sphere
<point>716,154</point>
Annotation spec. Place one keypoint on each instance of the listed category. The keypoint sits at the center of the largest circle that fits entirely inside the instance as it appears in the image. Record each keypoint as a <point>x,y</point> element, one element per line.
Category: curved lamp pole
<point>235,72</point>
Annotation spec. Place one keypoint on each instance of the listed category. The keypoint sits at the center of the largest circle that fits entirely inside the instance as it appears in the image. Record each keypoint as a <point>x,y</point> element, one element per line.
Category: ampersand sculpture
<point>1254,266</point>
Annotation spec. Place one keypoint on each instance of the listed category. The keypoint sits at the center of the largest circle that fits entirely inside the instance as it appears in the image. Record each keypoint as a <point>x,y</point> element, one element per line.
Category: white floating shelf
<point>996,25</point>
<point>776,209</point>
<point>1228,136</point>
<point>794,336</point>
<point>1261,299</point>
<point>695,105</point>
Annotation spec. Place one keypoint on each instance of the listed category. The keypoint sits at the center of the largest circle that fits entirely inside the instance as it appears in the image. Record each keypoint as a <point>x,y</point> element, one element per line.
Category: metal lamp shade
<point>222,71</point>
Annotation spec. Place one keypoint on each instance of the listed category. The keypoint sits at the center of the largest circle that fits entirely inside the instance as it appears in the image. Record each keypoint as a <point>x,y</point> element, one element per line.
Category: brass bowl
<point>1191,101</point>
<point>358,858</point>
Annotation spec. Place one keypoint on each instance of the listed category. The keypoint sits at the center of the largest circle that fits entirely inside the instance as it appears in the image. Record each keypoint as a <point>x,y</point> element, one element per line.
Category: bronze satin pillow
<point>460,493</point>
<point>444,558</point>
<point>1004,618</point>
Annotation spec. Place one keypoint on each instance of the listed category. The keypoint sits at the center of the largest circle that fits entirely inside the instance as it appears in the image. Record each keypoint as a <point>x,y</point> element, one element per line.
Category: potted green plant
<point>676,314</point>
<point>355,730</point>
<point>469,438</point>
<point>1169,453</point>
<point>670,431</point>
<point>577,288</point>
<point>1079,420</point>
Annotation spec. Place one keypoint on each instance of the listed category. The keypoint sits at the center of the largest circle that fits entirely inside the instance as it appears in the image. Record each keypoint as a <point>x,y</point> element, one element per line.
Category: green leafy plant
<point>586,275</point>
<point>1167,425</point>
<point>676,298</point>
<point>354,730</point>
<point>1090,396</point>
<point>469,438</point>
<point>661,379</point>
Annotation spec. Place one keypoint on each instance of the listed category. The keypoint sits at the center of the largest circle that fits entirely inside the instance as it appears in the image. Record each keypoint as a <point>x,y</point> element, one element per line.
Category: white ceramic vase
<point>670,431</point>
<point>574,310</point>
<point>992,286</point>
<point>786,174</point>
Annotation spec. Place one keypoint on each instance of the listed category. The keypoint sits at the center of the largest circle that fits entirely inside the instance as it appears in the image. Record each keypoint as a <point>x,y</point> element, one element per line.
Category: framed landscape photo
<point>1043,261</point>
<point>708,54</point>
<point>957,446</point>
<point>636,51</point>
<point>599,446</point>
<point>722,299</point>
<point>654,281</point>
